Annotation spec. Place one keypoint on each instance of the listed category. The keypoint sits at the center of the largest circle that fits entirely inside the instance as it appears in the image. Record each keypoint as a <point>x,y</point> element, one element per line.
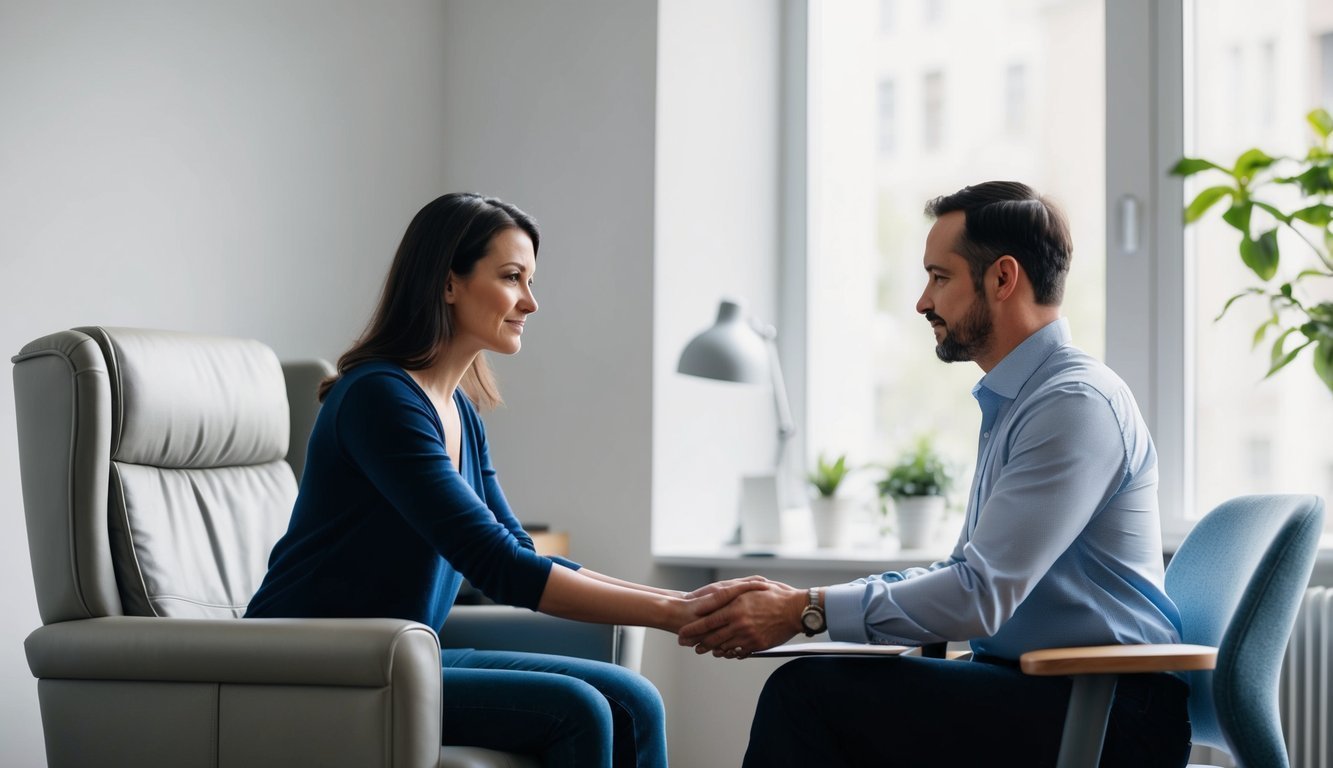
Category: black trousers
<point>912,711</point>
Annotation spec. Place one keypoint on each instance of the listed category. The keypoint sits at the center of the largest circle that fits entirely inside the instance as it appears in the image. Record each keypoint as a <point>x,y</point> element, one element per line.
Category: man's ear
<point>1004,274</point>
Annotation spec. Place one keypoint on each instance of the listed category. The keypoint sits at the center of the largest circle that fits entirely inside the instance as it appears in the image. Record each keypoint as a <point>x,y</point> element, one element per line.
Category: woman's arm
<point>572,595</point>
<point>629,584</point>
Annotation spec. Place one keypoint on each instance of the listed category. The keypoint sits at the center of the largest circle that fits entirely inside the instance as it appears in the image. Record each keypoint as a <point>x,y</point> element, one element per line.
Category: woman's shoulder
<point>375,380</point>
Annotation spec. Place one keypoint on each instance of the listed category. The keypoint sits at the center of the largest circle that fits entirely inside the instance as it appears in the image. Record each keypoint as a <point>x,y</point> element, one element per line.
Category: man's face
<point>955,309</point>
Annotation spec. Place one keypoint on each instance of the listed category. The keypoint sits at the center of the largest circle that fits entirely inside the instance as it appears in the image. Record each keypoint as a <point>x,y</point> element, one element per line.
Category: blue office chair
<point>1238,579</point>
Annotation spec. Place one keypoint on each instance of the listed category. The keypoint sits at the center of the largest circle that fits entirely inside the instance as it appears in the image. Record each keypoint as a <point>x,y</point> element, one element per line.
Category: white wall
<point>238,168</point>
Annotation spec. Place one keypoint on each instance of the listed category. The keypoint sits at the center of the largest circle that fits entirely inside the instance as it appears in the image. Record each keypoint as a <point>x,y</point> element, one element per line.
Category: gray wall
<point>239,168</point>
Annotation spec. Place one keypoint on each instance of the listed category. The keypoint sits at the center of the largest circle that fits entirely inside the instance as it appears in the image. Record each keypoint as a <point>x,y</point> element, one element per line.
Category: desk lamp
<point>736,348</point>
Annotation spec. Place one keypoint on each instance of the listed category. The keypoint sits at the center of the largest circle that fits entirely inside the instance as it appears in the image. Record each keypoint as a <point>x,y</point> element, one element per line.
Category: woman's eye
<point>512,278</point>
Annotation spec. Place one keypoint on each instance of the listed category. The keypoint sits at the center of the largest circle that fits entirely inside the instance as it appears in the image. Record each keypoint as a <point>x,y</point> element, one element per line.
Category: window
<point>1020,89</point>
<point>888,15</point>
<point>1250,435</point>
<point>932,110</point>
<point>1326,70</point>
<point>957,85</point>
<point>886,117</point>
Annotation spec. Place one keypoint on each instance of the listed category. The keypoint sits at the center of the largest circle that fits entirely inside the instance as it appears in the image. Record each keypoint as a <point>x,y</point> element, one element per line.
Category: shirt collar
<point>1011,373</point>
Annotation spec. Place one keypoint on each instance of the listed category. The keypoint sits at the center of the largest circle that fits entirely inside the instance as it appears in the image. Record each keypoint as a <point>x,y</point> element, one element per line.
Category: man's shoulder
<point>1070,369</point>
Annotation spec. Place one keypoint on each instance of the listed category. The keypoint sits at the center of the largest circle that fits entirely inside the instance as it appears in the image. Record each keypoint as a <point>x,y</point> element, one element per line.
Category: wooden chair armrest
<point>1118,659</point>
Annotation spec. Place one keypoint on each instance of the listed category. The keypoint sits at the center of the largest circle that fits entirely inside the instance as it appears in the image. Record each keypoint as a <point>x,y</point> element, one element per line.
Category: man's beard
<point>970,339</point>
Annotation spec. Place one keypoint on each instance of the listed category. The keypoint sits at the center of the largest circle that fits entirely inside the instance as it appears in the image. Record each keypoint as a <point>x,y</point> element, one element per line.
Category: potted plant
<point>1248,186</point>
<point>831,513</point>
<point>917,484</point>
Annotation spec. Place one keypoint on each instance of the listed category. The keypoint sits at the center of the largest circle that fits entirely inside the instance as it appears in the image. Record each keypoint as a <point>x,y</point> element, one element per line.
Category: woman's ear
<point>449,289</point>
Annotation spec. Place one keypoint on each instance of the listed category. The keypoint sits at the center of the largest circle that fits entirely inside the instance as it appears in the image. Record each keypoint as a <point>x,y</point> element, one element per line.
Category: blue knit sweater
<point>383,524</point>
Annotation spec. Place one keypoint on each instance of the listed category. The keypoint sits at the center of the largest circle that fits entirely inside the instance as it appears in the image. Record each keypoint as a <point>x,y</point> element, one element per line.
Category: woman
<point>399,502</point>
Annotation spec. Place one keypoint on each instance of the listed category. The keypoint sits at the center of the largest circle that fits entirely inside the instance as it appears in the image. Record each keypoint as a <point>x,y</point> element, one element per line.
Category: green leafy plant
<point>919,472</point>
<point>827,476</point>
<point>1248,190</point>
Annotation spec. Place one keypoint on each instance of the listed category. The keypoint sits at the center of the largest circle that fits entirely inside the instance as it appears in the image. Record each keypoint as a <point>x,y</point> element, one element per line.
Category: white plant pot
<point>833,519</point>
<point>916,518</point>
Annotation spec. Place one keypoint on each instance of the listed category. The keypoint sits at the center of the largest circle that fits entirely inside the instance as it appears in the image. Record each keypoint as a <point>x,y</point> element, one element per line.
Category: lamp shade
<point>730,350</point>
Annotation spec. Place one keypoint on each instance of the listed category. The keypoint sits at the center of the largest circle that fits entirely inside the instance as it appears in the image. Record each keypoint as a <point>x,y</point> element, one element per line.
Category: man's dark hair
<point>1006,217</point>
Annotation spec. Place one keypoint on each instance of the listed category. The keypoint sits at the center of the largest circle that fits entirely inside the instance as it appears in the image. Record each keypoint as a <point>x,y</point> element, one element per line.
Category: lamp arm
<point>786,425</point>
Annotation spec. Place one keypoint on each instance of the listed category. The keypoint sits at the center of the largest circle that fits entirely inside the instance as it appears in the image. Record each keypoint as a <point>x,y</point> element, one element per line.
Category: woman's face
<point>491,304</point>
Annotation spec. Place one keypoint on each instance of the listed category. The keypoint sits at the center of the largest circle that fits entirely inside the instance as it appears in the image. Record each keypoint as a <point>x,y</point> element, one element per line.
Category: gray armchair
<point>155,480</point>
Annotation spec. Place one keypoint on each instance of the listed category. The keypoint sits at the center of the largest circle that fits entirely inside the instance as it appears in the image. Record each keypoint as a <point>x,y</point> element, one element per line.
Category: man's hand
<point>719,586</point>
<point>768,614</point>
<point>708,599</point>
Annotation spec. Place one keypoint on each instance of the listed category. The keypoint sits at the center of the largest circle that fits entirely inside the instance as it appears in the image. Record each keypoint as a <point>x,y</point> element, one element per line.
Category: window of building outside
<point>1011,89</point>
<point>1256,71</point>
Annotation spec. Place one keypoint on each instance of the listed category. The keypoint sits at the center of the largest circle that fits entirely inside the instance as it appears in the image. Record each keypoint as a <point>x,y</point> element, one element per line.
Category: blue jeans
<point>911,711</point>
<point>572,712</point>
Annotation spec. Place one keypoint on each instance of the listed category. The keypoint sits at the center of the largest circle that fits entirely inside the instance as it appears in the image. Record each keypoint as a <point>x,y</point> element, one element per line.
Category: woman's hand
<point>705,600</point>
<point>767,614</point>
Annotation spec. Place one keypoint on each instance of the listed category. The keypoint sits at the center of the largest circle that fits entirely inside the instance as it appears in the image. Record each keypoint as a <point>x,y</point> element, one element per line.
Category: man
<point>1061,545</point>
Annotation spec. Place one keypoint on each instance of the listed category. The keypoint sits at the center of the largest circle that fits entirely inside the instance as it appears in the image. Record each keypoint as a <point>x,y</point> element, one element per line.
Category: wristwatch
<point>812,618</point>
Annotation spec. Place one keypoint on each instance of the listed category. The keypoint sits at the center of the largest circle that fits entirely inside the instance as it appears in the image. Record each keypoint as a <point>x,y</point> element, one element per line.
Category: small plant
<point>1258,220</point>
<point>827,476</point>
<point>920,472</point>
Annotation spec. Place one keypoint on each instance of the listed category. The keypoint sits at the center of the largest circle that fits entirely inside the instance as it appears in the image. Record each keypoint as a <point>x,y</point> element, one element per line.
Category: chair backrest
<point>152,463</point>
<point>1238,579</point>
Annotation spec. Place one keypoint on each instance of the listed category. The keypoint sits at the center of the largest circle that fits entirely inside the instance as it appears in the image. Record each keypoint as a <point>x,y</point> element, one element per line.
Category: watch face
<point>812,620</point>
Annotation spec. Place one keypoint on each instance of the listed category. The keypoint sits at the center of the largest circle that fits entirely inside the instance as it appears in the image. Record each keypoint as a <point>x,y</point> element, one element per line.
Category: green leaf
<point>1277,214</point>
<point>1318,214</point>
<point>1238,215</point>
<point>1315,181</point>
<point>1205,200</point>
<point>1322,122</point>
<point>1262,331</point>
<point>1188,166</point>
<point>1232,300</point>
<point>1261,255</point>
<point>1250,161</point>
<point>1311,273</point>
<point>1323,361</point>
<point>1278,358</point>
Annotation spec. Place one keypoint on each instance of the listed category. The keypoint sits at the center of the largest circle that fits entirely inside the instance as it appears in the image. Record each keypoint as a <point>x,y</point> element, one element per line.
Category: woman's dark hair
<point>1006,217</point>
<point>412,322</point>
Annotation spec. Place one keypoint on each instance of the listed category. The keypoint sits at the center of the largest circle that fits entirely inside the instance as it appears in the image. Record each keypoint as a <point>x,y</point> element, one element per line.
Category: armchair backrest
<point>152,463</point>
<point>1238,579</point>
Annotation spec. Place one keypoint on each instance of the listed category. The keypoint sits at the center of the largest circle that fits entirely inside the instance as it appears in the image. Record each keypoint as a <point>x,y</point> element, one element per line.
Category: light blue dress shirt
<point>1062,544</point>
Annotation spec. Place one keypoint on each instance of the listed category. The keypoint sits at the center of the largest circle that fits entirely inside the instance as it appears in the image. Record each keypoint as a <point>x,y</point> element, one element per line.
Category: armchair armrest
<point>1118,659</point>
<point>339,652</point>
<point>503,627</point>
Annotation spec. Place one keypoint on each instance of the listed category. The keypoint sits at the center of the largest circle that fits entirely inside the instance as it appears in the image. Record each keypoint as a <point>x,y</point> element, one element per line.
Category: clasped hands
<point>759,614</point>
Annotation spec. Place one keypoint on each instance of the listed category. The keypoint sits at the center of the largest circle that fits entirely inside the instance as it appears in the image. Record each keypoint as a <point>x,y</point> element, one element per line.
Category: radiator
<point>1306,702</point>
